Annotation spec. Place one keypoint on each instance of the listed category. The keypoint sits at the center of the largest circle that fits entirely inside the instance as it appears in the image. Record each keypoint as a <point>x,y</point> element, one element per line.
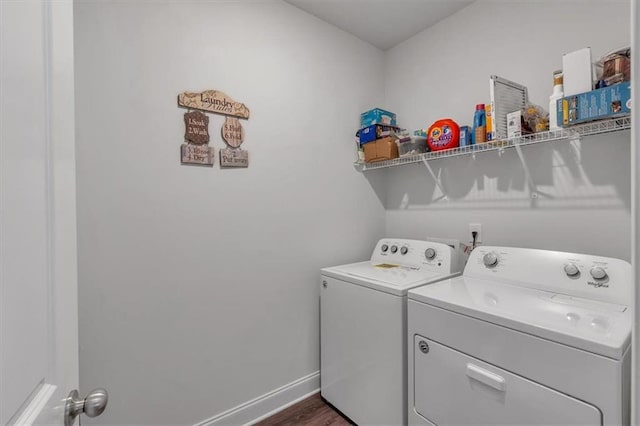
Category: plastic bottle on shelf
<point>479,125</point>
<point>558,93</point>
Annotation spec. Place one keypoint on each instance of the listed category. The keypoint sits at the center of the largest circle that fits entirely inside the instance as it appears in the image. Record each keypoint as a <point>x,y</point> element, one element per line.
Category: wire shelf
<point>587,129</point>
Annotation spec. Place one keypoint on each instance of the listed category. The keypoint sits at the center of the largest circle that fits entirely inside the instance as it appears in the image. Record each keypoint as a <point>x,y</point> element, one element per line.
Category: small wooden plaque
<point>232,132</point>
<point>213,101</point>
<point>197,154</point>
<point>196,127</point>
<point>234,157</point>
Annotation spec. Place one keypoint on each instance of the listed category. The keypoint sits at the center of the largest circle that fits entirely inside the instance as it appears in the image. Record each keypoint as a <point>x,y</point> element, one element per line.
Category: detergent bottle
<point>443,134</point>
<point>558,93</point>
<point>479,125</point>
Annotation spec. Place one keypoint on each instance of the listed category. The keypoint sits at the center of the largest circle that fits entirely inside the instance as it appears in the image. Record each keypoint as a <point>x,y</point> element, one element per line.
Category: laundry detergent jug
<point>443,134</point>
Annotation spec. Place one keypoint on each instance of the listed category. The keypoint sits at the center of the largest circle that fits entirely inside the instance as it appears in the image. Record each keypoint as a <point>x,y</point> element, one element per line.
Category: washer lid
<point>594,326</point>
<point>389,278</point>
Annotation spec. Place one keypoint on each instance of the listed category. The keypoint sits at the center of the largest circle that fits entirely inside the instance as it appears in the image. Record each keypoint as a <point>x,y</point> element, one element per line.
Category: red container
<point>443,134</point>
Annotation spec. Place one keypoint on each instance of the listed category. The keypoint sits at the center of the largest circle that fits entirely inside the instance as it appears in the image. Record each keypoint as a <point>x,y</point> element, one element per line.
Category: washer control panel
<point>594,277</point>
<point>415,254</point>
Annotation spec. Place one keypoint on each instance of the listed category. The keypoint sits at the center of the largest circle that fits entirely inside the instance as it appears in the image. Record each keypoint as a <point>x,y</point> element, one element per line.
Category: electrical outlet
<point>475,227</point>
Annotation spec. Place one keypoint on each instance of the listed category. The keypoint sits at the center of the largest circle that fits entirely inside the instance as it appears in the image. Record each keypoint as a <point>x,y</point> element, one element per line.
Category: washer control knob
<point>598,273</point>
<point>404,250</point>
<point>430,253</point>
<point>571,270</point>
<point>490,260</point>
<point>394,249</point>
<point>384,248</point>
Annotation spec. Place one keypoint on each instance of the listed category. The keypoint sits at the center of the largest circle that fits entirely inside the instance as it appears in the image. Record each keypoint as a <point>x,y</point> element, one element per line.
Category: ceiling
<point>383,23</point>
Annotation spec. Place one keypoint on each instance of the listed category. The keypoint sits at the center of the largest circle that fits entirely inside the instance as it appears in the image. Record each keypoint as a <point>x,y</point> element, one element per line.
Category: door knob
<point>93,405</point>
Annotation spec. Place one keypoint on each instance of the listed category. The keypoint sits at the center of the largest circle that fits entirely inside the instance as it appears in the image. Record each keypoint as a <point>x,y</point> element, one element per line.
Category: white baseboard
<point>268,404</point>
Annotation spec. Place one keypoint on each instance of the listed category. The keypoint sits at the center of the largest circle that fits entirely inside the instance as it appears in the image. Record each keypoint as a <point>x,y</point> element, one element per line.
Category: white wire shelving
<point>571,133</point>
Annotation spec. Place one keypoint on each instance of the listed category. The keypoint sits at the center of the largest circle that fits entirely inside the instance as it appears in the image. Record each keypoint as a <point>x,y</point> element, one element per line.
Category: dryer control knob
<point>571,270</point>
<point>490,260</point>
<point>598,273</point>
<point>394,249</point>
<point>404,250</point>
<point>384,248</point>
<point>430,253</point>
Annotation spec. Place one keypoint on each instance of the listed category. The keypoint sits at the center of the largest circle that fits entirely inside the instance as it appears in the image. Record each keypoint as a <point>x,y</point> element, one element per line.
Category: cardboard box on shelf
<point>380,150</point>
<point>617,66</point>
<point>597,104</point>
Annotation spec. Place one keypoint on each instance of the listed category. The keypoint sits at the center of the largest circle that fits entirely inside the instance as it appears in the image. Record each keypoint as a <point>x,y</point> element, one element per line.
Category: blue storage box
<point>376,131</point>
<point>597,104</point>
<point>377,116</point>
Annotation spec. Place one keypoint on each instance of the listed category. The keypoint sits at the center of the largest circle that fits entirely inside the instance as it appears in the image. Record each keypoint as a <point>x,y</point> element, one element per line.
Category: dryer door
<point>452,388</point>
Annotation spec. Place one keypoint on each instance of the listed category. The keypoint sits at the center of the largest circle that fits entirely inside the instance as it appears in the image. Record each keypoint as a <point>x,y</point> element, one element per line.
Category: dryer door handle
<point>487,377</point>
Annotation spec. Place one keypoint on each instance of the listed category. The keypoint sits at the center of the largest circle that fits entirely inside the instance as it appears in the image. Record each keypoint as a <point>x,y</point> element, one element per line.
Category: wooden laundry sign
<point>233,135</point>
<point>196,126</point>
<point>197,154</point>
<point>230,157</point>
<point>213,101</point>
<point>196,134</point>
<point>232,132</point>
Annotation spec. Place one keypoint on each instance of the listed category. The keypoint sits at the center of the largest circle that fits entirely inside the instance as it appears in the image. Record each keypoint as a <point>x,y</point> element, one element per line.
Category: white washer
<point>363,345</point>
<point>523,337</point>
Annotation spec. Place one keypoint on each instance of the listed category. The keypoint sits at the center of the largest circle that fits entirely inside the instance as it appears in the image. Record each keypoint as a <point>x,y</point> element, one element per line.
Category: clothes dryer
<point>363,351</point>
<point>522,337</point>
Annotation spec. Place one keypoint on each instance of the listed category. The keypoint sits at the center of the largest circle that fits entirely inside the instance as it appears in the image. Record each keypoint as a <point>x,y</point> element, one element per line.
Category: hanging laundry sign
<point>234,157</point>
<point>197,154</point>
<point>196,128</point>
<point>232,132</point>
<point>233,135</point>
<point>196,134</point>
<point>213,101</point>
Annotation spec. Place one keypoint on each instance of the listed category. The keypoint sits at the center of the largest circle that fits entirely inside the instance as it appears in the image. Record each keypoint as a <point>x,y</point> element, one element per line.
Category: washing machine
<point>522,337</point>
<point>363,344</point>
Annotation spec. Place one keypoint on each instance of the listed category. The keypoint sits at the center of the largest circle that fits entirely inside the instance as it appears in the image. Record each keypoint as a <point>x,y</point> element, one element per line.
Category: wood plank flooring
<point>313,411</point>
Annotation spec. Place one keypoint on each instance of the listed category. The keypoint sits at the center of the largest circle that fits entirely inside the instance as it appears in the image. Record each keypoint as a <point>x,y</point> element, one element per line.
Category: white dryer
<point>363,345</point>
<point>523,337</point>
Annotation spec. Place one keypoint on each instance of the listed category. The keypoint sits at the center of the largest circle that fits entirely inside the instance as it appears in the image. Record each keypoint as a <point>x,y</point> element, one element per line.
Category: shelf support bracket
<point>435,178</point>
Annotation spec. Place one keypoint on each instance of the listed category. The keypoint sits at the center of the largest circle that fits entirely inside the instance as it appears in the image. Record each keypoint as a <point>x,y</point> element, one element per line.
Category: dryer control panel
<point>415,254</point>
<point>592,277</point>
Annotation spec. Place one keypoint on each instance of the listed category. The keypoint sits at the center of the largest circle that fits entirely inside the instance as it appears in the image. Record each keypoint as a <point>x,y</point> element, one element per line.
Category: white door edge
<point>38,49</point>
<point>36,405</point>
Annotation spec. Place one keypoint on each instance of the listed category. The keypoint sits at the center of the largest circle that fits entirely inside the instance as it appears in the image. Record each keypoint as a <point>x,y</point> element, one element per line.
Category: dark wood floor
<point>313,411</point>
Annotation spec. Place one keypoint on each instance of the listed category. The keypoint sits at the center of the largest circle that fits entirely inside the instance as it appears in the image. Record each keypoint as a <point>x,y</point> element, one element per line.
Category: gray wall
<point>444,71</point>
<point>199,286</point>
